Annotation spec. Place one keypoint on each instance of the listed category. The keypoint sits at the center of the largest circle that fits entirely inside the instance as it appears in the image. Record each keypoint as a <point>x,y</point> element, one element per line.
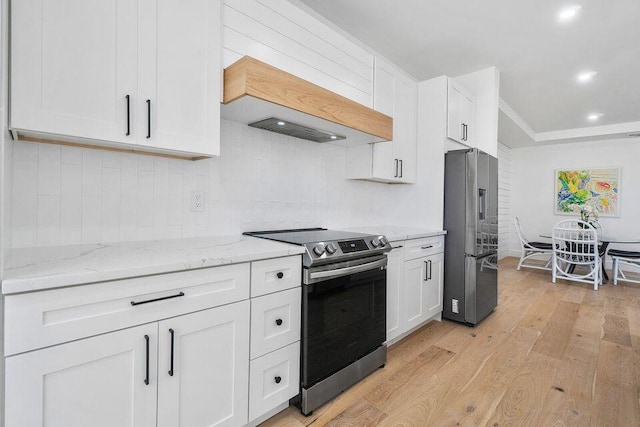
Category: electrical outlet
<point>197,201</point>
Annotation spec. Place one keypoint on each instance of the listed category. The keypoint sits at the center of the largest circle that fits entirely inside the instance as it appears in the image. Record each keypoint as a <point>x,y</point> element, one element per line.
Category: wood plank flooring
<point>549,355</point>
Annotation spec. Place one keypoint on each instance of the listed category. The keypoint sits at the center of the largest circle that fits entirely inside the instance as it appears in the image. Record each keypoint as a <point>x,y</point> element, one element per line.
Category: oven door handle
<point>348,270</point>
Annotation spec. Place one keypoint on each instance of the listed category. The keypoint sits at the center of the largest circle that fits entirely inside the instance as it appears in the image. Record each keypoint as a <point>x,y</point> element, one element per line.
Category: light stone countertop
<point>397,233</point>
<point>33,269</point>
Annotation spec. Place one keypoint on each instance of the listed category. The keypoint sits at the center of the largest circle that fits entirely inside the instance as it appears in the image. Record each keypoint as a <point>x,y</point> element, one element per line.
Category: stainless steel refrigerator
<point>471,242</point>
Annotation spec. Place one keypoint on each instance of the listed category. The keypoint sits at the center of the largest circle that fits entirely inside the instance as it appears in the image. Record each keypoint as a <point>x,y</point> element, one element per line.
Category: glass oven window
<point>343,320</point>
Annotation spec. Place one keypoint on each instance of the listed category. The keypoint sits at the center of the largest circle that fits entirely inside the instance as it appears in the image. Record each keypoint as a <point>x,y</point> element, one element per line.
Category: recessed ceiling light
<point>281,123</point>
<point>334,137</point>
<point>594,117</point>
<point>585,77</point>
<point>568,13</point>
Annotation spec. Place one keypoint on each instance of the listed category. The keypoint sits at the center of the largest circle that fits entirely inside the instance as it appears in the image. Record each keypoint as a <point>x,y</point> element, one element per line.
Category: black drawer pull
<point>279,274</point>
<point>128,116</point>
<point>277,380</point>
<point>171,331</point>
<point>278,322</point>
<point>148,118</point>
<point>146,378</point>
<point>181,294</point>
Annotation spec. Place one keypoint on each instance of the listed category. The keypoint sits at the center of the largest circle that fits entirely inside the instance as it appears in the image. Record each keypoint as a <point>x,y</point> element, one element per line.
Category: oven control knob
<point>331,248</point>
<point>383,241</point>
<point>319,249</point>
<point>375,242</point>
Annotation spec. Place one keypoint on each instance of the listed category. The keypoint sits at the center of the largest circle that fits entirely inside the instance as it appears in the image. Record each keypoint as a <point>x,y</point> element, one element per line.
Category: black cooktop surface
<point>306,235</point>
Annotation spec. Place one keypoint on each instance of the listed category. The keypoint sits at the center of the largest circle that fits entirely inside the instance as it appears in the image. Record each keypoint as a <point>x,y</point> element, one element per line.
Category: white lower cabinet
<point>423,289</point>
<point>98,382</point>
<point>274,379</point>
<point>195,377</point>
<point>184,349</point>
<point>414,284</point>
<point>275,335</point>
<point>202,368</point>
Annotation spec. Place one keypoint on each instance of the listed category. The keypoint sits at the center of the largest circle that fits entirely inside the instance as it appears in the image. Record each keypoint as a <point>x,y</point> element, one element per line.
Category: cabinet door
<point>405,127</point>
<point>395,95</point>
<point>394,293</point>
<point>275,321</point>
<point>384,79</point>
<point>203,368</point>
<point>274,379</point>
<point>467,117</point>
<point>385,166</point>
<point>180,75</point>
<point>73,62</point>
<point>414,278</point>
<point>433,285</point>
<point>454,112</point>
<point>98,382</point>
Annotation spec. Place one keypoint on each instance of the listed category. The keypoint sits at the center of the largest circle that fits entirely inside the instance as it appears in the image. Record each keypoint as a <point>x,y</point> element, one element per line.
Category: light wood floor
<point>549,355</point>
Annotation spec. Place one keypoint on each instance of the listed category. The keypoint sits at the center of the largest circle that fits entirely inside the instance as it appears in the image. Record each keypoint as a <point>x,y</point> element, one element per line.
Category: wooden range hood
<point>254,91</point>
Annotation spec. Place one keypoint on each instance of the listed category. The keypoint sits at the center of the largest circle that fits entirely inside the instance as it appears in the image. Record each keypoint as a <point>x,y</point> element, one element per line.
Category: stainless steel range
<point>343,309</point>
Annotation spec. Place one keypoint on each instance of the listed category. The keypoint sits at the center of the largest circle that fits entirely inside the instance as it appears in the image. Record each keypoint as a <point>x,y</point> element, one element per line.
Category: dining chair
<point>629,258</point>
<point>532,250</point>
<point>575,245</point>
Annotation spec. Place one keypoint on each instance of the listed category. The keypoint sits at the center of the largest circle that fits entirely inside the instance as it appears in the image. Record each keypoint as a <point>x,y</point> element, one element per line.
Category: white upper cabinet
<point>283,35</point>
<point>73,62</point>
<point>395,95</point>
<point>145,73</point>
<point>180,75</point>
<point>460,114</point>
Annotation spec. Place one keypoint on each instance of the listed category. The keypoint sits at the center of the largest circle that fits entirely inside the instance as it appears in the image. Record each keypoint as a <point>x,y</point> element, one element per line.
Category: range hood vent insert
<point>296,130</point>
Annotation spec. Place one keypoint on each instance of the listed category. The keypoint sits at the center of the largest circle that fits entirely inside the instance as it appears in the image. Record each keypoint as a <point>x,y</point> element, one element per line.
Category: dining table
<point>606,241</point>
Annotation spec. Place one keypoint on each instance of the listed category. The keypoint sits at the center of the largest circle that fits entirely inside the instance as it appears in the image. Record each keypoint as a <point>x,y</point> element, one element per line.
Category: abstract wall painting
<point>599,188</point>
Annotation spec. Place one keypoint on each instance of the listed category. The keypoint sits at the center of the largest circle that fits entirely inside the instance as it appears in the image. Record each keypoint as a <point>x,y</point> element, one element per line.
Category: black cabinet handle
<point>128,115</point>
<point>396,163</point>
<point>279,274</point>
<point>146,378</point>
<point>277,380</point>
<point>400,168</point>
<point>171,365</point>
<point>426,271</point>
<point>148,118</point>
<point>278,322</point>
<point>429,269</point>
<point>181,294</point>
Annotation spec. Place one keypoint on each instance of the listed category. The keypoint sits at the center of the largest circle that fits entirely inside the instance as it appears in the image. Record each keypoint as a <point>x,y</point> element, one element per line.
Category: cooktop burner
<point>328,246</point>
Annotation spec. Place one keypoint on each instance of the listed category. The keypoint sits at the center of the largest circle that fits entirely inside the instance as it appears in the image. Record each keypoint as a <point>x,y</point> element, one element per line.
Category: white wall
<point>485,86</point>
<point>262,180</point>
<point>532,189</point>
<point>504,200</point>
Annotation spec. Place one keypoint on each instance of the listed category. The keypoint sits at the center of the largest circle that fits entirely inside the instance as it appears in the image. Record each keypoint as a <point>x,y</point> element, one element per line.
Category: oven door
<point>343,316</point>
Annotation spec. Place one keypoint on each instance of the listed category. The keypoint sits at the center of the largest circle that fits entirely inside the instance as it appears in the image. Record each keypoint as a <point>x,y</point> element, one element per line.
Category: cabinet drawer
<point>41,319</point>
<point>418,248</point>
<point>273,379</point>
<point>277,274</point>
<point>275,321</point>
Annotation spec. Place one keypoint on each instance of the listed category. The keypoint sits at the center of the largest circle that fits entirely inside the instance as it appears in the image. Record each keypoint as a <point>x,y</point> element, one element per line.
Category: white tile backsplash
<point>69,195</point>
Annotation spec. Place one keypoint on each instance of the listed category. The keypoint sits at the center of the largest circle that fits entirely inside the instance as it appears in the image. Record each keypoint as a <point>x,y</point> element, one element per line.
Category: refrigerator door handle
<point>482,203</point>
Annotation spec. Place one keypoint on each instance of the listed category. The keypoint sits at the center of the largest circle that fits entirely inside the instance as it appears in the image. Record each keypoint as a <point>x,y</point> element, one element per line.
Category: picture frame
<point>598,187</point>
